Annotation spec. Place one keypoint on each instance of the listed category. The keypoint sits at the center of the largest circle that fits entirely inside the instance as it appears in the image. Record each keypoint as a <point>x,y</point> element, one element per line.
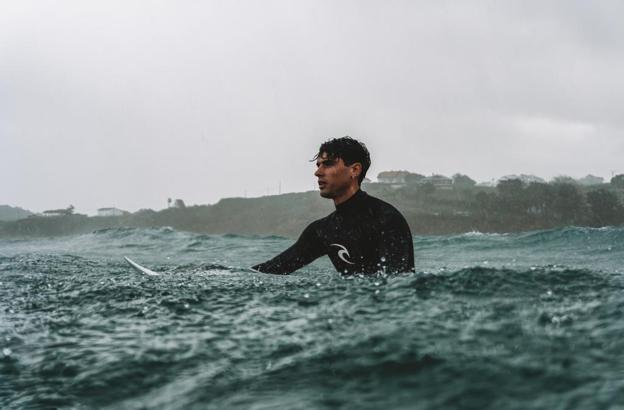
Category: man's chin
<point>326,194</point>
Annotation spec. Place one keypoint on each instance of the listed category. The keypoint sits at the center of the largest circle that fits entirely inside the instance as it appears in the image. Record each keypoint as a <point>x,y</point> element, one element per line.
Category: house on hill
<point>111,212</point>
<point>439,181</point>
<point>392,177</point>
<point>58,212</point>
<point>591,180</point>
<point>490,184</point>
<point>526,179</point>
<point>401,178</point>
<point>55,212</point>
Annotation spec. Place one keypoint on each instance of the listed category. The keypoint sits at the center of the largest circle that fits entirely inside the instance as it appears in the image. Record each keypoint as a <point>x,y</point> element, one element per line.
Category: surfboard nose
<point>140,268</point>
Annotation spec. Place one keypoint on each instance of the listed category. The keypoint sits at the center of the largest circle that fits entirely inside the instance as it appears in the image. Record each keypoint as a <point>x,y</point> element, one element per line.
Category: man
<point>363,235</point>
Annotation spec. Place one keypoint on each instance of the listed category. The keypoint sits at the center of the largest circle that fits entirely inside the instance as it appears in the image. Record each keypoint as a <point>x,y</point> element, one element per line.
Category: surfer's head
<point>341,165</point>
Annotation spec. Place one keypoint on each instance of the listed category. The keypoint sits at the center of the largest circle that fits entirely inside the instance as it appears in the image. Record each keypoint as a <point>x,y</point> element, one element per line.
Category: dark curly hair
<point>349,150</point>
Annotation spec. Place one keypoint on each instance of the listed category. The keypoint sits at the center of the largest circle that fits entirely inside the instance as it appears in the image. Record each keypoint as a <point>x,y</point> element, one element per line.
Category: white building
<point>110,212</point>
<point>526,179</point>
<point>439,181</point>
<point>392,177</point>
<point>54,212</point>
<point>591,180</point>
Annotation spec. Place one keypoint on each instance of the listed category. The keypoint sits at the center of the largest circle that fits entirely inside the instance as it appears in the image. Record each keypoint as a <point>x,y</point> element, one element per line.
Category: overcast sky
<point>127,103</point>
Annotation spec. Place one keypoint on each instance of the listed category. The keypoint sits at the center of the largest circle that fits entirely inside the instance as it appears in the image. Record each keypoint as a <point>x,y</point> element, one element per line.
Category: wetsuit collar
<point>352,203</point>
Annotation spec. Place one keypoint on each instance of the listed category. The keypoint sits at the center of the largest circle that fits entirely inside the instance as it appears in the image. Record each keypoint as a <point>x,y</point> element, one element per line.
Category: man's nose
<point>318,172</point>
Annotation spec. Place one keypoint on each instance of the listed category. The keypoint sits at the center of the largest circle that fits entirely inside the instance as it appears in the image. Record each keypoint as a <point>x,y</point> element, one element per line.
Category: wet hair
<point>349,150</point>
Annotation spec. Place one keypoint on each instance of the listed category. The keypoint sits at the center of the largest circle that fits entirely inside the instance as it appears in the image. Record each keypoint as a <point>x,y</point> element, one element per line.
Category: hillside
<point>510,207</point>
<point>10,213</point>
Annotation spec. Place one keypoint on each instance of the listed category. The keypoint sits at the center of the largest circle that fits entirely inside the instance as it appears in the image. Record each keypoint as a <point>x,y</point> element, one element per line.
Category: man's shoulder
<point>317,224</point>
<point>388,214</point>
<point>383,207</point>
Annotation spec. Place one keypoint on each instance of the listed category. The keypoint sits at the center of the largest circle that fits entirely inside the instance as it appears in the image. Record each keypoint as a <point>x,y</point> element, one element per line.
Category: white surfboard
<point>140,268</point>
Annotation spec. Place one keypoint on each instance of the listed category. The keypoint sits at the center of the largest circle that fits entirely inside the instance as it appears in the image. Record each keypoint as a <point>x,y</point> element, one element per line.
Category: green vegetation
<point>429,209</point>
<point>9,213</point>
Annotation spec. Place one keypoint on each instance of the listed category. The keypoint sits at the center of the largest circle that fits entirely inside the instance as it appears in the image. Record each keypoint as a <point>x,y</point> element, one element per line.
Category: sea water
<point>502,321</point>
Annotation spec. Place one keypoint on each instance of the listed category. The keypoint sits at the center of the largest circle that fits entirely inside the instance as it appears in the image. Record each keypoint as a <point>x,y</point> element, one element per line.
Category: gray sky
<point>126,103</point>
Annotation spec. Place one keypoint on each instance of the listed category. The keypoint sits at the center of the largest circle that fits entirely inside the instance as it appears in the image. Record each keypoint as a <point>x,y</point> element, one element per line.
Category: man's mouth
<point>321,184</point>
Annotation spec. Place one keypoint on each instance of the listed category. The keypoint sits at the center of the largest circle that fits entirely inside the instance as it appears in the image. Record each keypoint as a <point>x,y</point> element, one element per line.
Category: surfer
<point>363,235</point>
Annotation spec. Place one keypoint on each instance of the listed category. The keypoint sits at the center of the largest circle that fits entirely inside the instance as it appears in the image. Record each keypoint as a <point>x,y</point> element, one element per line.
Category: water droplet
<point>318,285</point>
<point>383,258</point>
<point>377,292</point>
<point>11,311</point>
<point>549,293</point>
<point>186,306</point>
<point>306,295</point>
<point>6,352</point>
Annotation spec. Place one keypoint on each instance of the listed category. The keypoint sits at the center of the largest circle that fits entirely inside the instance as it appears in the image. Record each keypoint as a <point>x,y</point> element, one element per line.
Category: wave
<point>203,267</point>
<point>240,236</point>
<point>551,237</point>
<point>167,231</point>
<point>544,281</point>
<point>573,233</point>
<point>125,231</point>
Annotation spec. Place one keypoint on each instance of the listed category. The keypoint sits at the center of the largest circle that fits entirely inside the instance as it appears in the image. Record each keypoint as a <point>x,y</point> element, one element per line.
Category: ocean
<point>488,321</point>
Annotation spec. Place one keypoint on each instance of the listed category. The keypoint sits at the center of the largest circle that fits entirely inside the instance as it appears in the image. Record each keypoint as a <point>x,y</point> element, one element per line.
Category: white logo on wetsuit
<point>342,252</point>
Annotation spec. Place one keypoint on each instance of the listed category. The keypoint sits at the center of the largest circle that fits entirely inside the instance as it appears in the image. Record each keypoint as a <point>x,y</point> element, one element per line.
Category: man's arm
<point>307,248</point>
<point>396,247</point>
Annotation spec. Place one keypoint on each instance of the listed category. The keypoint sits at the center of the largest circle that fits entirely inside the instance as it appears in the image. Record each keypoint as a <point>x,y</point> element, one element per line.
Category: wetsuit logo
<point>342,252</point>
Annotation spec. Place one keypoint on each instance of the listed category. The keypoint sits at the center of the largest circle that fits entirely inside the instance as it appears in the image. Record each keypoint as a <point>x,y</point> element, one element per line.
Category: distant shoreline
<point>512,207</point>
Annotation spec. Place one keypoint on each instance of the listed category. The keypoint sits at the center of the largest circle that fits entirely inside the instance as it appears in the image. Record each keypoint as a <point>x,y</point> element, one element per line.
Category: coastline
<point>442,212</point>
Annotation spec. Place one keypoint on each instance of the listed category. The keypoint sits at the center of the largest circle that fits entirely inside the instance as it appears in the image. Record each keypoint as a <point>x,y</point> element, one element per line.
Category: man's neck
<point>352,190</point>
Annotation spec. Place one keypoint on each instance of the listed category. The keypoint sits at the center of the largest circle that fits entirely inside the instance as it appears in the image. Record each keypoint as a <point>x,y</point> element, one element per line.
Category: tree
<point>463,181</point>
<point>564,179</point>
<point>618,181</point>
<point>412,178</point>
<point>426,189</point>
<point>605,207</point>
<point>539,198</point>
<point>568,203</point>
<point>510,188</point>
<point>485,202</point>
<point>179,204</point>
<point>510,196</point>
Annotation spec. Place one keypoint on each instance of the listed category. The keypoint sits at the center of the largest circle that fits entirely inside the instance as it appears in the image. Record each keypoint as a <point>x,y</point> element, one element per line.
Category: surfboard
<point>140,268</point>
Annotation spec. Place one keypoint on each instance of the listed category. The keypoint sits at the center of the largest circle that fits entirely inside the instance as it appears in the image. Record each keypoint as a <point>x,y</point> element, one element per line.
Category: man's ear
<point>356,169</point>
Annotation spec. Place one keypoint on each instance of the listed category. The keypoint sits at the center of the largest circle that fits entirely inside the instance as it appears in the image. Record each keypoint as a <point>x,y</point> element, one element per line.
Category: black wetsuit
<point>363,235</point>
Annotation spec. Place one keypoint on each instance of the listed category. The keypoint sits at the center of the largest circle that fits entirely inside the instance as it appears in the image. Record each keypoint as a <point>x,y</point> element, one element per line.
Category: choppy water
<point>516,321</point>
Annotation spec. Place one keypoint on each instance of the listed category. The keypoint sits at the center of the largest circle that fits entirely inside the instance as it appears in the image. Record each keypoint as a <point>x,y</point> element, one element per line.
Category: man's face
<point>334,177</point>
